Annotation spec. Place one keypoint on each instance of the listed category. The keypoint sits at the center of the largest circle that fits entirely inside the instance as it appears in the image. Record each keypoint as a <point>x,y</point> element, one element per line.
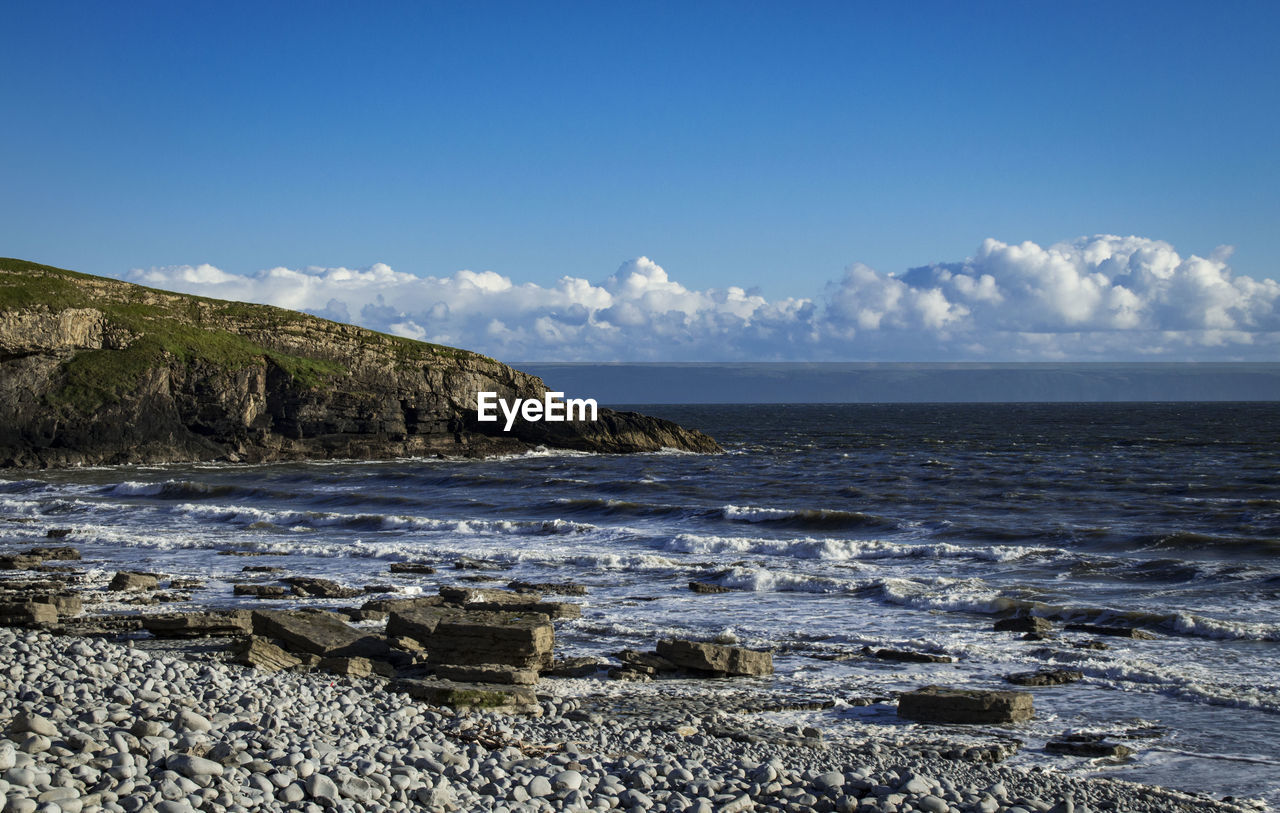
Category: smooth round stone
<point>33,723</point>
<point>320,786</point>
<point>36,744</point>
<point>188,720</point>
<point>539,786</point>
<point>932,804</point>
<point>291,794</point>
<point>567,780</point>
<point>7,757</point>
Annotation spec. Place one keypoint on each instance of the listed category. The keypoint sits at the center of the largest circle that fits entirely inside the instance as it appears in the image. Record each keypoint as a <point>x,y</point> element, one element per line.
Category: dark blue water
<point>842,526</point>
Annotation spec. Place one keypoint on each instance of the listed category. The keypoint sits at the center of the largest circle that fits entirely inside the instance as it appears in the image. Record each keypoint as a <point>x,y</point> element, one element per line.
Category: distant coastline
<point>863,382</point>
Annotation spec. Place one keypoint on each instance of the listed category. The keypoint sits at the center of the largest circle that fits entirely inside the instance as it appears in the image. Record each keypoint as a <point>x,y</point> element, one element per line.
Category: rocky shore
<point>457,701</point>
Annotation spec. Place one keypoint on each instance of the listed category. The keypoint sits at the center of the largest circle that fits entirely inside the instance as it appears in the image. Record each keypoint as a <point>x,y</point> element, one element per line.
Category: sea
<point>838,527</point>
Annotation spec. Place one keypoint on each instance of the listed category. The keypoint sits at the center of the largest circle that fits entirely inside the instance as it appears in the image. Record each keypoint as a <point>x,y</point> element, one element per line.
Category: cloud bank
<point>1096,298</point>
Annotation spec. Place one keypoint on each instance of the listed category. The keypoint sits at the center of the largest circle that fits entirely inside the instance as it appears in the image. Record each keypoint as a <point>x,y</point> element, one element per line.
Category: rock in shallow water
<point>936,704</point>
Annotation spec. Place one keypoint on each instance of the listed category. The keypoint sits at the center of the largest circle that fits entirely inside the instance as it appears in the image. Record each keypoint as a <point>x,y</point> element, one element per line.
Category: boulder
<point>911,657</point>
<point>487,673</point>
<point>211,623</point>
<point>650,663</point>
<point>27,614</point>
<point>701,656</point>
<point>486,595</point>
<point>318,633</point>
<point>351,667</point>
<point>708,587</point>
<point>129,580</point>
<point>1023,623</point>
<point>455,636</point>
<point>937,704</point>
<point>576,667</point>
<point>1089,747</point>
<point>420,568</point>
<point>58,533</point>
<point>263,655</point>
<point>1118,632</point>
<point>1045,677</point>
<point>311,587</point>
<point>551,588</point>
<point>19,561</point>
<point>63,553</point>
<point>260,590</point>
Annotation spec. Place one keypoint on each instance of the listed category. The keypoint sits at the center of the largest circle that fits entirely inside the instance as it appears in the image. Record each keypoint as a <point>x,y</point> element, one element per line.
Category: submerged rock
<point>1045,677</point>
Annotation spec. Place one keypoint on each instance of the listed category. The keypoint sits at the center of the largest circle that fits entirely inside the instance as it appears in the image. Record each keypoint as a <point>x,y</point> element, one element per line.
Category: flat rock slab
<point>318,633</point>
<point>1024,623</point>
<point>463,637</point>
<point>260,590</point>
<point>911,657</point>
<point>27,613</point>
<point>470,695</point>
<point>63,553</point>
<point>129,580</point>
<point>199,625</point>
<point>708,588</point>
<point>1091,749</point>
<point>701,656</point>
<point>487,595</point>
<point>936,704</point>
<point>487,673</point>
<point>552,609</point>
<point>263,654</point>
<point>311,587</point>
<point>412,567</point>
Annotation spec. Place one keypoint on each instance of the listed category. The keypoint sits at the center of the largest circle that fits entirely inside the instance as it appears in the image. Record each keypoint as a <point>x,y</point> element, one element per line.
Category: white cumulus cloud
<point>1094,298</point>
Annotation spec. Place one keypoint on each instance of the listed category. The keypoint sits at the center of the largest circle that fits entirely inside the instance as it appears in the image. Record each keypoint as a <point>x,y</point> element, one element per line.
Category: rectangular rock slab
<point>199,625</point>
<point>936,704</point>
<point>486,595</point>
<point>707,657</point>
<point>27,614</point>
<point>352,667</point>
<point>471,695</point>
<point>318,633</point>
<point>552,609</point>
<point>487,673</point>
<point>455,636</point>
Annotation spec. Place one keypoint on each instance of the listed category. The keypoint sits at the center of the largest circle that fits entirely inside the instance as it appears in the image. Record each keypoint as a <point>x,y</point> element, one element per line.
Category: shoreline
<point>204,734</point>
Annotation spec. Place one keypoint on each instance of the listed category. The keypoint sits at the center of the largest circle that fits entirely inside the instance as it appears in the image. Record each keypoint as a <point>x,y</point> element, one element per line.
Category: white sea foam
<point>830,549</point>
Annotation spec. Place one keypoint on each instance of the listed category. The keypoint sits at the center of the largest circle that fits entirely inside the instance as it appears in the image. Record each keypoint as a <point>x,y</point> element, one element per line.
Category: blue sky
<point>768,147</point>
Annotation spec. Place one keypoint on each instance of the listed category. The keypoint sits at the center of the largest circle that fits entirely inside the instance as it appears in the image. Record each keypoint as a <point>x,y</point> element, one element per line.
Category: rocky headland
<point>100,371</point>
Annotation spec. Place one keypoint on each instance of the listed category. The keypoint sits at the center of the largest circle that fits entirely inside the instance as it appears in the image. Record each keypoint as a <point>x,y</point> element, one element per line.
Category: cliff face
<point>99,371</point>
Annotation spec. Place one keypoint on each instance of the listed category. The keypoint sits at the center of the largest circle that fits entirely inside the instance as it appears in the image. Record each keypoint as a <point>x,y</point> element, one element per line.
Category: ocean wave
<point>814,518</point>
<point>185,490</point>
<point>249,515</point>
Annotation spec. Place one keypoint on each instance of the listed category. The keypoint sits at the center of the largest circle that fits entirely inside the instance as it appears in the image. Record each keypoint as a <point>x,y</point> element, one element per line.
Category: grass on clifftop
<point>160,323</point>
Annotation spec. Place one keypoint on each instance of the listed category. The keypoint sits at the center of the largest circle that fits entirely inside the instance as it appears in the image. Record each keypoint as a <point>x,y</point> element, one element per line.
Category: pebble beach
<point>95,725</point>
